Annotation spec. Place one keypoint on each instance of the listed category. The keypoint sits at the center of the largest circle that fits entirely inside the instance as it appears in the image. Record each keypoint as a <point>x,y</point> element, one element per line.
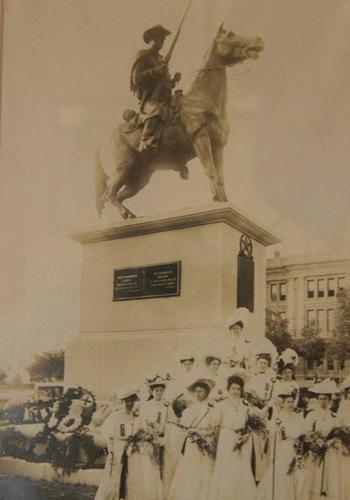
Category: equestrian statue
<point>171,128</point>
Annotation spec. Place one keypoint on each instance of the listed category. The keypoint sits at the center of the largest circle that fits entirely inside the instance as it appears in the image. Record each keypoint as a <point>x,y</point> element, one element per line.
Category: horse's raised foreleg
<point>203,149</point>
<point>132,187</point>
<point>218,153</point>
<point>115,183</point>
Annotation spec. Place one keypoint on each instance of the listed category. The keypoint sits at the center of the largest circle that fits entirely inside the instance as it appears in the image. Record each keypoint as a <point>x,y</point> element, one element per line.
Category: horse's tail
<point>100,183</point>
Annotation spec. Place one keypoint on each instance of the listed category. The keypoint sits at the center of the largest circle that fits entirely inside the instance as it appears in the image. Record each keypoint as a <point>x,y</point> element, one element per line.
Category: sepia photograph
<point>175,251</point>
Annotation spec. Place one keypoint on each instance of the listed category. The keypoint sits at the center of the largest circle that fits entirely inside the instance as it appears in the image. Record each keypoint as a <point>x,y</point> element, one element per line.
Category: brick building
<point>303,288</point>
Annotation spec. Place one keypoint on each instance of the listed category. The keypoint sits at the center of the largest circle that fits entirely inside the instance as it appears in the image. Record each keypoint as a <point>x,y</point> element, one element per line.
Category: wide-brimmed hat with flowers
<point>201,382</point>
<point>181,356</point>
<point>288,357</point>
<point>287,392</point>
<point>241,315</point>
<point>211,355</point>
<point>157,381</point>
<point>327,386</point>
<point>127,391</point>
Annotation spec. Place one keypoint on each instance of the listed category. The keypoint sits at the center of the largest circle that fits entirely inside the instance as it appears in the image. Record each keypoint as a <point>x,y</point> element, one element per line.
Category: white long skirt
<point>344,477</point>
<point>193,474</point>
<point>144,478</point>
<point>277,484</point>
<point>111,476</point>
<point>233,478</point>
<point>326,477</point>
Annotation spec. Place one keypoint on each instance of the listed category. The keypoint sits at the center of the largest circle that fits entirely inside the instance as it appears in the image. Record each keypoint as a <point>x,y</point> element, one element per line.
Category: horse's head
<point>230,49</point>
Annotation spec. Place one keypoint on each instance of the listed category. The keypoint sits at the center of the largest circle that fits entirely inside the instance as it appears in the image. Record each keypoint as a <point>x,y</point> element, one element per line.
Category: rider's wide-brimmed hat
<point>157,31</point>
<point>127,391</point>
<point>241,315</point>
<point>327,386</point>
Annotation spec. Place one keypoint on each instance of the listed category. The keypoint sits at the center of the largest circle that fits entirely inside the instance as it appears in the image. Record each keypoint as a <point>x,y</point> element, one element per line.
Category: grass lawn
<point>21,488</point>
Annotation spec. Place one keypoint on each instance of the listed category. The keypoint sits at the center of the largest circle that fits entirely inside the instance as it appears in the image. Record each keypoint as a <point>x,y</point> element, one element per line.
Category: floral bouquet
<point>317,445</point>
<point>251,398</point>
<point>136,442</point>
<point>179,405</point>
<point>312,442</point>
<point>254,423</point>
<point>205,444</point>
<point>302,449</point>
<point>340,435</point>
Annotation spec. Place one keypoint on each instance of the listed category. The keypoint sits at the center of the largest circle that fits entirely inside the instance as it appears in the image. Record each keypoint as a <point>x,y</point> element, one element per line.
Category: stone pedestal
<point>125,341</point>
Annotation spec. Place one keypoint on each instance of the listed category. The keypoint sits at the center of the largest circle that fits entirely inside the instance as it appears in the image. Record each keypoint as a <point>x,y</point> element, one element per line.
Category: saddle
<point>134,120</point>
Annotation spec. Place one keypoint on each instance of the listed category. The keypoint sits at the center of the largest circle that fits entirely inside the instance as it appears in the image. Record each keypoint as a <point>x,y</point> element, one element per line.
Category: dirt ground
<point>21,488</point>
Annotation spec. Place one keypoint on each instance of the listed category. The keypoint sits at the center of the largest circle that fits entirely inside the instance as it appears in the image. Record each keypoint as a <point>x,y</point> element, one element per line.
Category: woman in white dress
<point>194,469</point>
<point>149,474</point>
<point>243,346</point>
<point>344,421</point>
<point>212,363</point>
<point>118,427</point>
<point>263,378</point>
<point>176,390</point>
<point>283,480</point>
<point>261,385</point>
<point>233,478</point>
<point>286,382</point>
<point>324,474</point>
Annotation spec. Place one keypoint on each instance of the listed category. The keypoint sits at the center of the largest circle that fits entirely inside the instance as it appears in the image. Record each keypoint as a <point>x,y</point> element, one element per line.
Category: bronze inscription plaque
<point>146,282</point>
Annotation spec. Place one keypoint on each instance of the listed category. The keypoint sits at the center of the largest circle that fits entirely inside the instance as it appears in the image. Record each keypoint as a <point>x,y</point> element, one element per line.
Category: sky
<point>66,67</point>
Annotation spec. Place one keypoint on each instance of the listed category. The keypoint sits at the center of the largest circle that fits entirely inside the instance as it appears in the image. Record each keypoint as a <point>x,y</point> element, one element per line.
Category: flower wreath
<point>70,414</point>
<point>72,411</point>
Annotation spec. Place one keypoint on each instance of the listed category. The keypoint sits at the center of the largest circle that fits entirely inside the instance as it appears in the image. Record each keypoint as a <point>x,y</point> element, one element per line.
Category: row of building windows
<point>315,288</point>
<point>324,318</point>
<point>324,287</point>
<point>328,363</point>
<point>278,291</point>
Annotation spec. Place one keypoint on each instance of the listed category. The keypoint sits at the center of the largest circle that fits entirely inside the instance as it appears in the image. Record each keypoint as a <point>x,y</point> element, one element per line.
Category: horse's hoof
<point>184,173</point>
<point>126,214</point>
<point>220,199</point>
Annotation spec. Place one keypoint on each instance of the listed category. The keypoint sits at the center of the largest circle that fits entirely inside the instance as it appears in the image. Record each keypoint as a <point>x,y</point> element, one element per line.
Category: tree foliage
<point>47,367</point>
<point>311,346</point>
<point>339,348</point>
<point>276,329</point>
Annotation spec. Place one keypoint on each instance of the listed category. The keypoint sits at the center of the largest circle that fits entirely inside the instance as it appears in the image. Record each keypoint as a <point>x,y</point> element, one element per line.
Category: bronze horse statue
<point>198,128</point>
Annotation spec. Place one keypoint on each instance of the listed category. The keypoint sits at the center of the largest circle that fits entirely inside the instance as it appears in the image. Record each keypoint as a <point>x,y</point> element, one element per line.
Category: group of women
<point>233,434</point>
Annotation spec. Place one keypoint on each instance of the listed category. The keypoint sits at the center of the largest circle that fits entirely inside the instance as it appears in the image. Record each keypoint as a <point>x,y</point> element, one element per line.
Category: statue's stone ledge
<point>190,217</point>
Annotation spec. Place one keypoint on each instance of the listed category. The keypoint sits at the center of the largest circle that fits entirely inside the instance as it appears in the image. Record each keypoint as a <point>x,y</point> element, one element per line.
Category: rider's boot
<point>150,135</point>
